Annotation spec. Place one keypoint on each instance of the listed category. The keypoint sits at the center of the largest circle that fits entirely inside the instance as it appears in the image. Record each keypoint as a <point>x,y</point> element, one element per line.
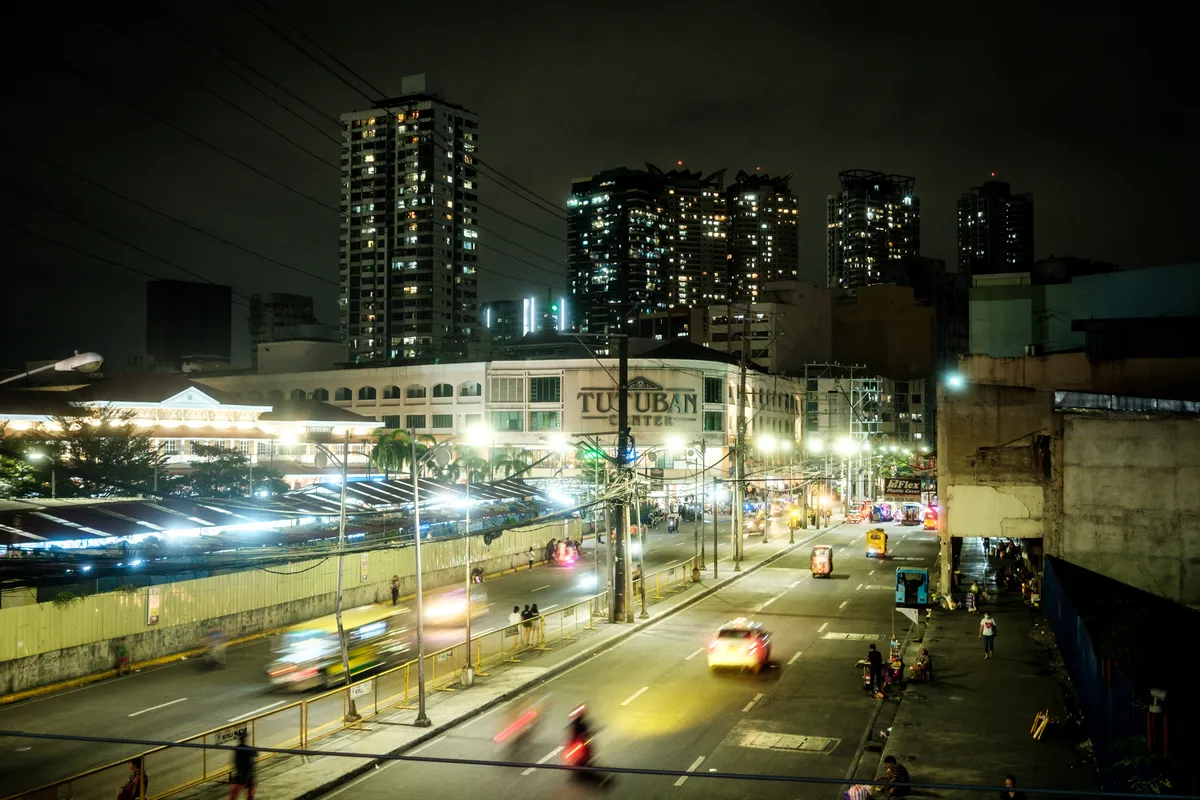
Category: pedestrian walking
<point>536,623</point>
<point>897,777</point>
<point>527,623</point>
<point>514,625</point>
<point>243,777</point>
<point>532,558</point>
<point>122,655</point>
<point>395,589</point>
<point>987,632</point>
<point>1010,789</point>
<point>973,597</point>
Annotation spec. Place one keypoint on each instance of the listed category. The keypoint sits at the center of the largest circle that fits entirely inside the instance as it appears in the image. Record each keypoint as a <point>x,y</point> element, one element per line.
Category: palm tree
<point>510,460</point>
<point>391,451</point>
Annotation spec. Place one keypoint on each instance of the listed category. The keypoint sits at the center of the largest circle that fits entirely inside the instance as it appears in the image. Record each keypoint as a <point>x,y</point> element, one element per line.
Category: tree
<point>510,460</point>
<point>103,455</point>
<point>18,477</point>
<point>224,472</point>
<point>390,452</point>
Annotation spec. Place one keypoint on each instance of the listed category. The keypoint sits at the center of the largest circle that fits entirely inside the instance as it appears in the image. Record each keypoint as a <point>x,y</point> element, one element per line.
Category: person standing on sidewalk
<point>122,654</point>
<point>527,623</point>
<point>514,625</point>
<point>243,769</point>
<point>987,632</point>
<point>395,589</point>
<point>875,665</point>
<point>1010,789</point>
<point>532,558</point>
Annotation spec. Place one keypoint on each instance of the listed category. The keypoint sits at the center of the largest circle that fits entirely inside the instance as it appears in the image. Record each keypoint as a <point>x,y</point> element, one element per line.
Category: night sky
<point>1088,112</point>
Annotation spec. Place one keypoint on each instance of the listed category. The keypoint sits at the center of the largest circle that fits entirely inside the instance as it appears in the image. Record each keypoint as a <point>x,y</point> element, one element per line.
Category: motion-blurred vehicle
<point>821,561</point>
<point>740,644</point>
<point>308,655</point>
<point>753,523</point>
<point>450,607</point>
<point>931,519</point>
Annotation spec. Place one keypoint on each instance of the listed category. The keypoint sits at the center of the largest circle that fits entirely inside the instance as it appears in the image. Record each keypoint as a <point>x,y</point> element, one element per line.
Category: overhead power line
<point>200,140</point>
<point>145,207</point>
<point>86,254</point>
<point>178,26</point>
<point>246,112</point>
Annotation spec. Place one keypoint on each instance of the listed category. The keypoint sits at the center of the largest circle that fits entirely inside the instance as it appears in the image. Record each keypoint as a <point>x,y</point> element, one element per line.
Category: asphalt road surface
<point>658,706</point>
<point>184,699</point>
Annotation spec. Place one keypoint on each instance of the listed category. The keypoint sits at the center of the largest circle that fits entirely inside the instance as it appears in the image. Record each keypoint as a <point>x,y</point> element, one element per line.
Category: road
<point>660,707</point>
<point>183,699</point>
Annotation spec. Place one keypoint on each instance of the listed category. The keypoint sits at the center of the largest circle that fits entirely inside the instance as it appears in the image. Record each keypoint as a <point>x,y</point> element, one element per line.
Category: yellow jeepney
<point>308,654</point>
<point>876,543</point>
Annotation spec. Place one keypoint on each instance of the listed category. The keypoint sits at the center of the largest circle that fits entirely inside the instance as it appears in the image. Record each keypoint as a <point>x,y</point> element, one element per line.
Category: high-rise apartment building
<point>874,219</point>
<point>616,228</point>
<point>187,320</point>
<point>409,236</point>
<point>694,236</point>
<point>271,312</point>
<point>995,230</point>
<point>763,236</point>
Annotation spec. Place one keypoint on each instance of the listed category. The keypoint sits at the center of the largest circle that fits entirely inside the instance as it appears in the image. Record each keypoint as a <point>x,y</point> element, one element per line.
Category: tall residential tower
<point>764,243</point>
<point>995,230</point>
<point>409,253</point>
<point>875,218</point>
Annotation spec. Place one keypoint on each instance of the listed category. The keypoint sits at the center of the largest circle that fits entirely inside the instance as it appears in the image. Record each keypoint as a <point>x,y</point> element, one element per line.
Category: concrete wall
<point>1175,378</point>
<point>45,643</point>
<point>993,460</point>
<point>884,327</point>
<point>1129,501</point>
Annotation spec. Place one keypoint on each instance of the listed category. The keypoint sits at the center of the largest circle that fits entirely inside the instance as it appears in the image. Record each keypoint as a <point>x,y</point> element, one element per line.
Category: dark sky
<point>1087,111</point>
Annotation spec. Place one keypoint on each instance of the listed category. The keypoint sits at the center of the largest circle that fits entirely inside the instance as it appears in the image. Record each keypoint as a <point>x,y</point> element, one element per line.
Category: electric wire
<point>205,87</point>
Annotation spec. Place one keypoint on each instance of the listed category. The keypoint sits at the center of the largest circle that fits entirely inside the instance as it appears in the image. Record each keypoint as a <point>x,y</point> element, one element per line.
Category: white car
<point>741,644</point>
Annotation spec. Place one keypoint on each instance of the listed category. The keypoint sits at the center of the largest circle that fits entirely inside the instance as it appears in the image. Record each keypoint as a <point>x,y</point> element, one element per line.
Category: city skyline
<point>1017,124</point>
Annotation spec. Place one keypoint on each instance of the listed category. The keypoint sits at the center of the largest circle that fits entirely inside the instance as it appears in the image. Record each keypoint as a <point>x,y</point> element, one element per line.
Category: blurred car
<point>741,644</point>
<point>753,524</point>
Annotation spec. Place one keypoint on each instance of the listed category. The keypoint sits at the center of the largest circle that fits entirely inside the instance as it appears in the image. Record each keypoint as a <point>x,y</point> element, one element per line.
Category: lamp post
<point>478,434</point>
<point>766,445</point>
<point>422,720</point>
<point>80,362</point>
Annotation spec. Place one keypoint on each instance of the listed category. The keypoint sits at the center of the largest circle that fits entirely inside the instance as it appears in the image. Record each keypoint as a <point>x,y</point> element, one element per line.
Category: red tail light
<point>574,753</point>
<point>522,721</point>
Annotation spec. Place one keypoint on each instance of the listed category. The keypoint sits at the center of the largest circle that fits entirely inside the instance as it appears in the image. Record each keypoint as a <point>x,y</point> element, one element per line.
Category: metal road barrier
<point>171,770</point>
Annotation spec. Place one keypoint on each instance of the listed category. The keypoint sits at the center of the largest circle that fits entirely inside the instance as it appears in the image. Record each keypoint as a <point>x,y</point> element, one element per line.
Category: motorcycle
<point>578,751</point>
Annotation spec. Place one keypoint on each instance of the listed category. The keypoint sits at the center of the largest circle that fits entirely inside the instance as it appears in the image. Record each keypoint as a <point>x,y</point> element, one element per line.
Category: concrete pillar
<point>947,557</point>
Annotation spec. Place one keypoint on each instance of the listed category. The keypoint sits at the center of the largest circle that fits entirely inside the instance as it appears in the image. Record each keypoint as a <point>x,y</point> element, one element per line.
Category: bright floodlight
<point>676,444</point>
<point>37,455</point>
<point>479,434</point>
<point>785,445</point>
<point>560,442</point>
<point>866,446</point>
<point>766,444</point>
<point>955,381</point>
<point>844,446</point>
<point>816,445</point>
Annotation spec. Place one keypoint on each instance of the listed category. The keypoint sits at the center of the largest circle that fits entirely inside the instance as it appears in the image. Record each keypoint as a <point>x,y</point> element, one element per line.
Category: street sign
<point>903,487</point>
<point>358,690</point>
<point>153,601</point>
<point>363,566</point>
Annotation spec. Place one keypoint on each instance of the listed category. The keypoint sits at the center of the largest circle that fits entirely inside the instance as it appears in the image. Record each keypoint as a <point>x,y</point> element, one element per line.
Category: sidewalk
<point>971,724</point>
<point>394,733</point>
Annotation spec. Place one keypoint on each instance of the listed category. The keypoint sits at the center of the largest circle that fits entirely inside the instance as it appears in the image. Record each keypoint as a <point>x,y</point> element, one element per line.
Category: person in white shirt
<point>514,625</point>
<point>987,632</point>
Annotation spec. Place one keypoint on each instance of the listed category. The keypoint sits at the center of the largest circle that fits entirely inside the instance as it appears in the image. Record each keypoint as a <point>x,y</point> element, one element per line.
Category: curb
<point>555,671</point>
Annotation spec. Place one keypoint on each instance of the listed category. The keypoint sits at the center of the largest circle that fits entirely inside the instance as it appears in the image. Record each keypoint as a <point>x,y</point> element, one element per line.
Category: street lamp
<point>352,714</point>
<point>478,435</point>
<point>38,455</point>
<point>442,457</point>
<point>766,444</point>
<point>80,362</point>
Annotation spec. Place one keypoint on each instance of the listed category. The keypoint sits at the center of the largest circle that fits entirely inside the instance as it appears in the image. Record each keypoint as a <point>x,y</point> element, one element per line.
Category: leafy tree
<point>18,477</point>
<point>103,455</point>
<point>224,472</point>
<point>509,460</point>
<point>393,450</point>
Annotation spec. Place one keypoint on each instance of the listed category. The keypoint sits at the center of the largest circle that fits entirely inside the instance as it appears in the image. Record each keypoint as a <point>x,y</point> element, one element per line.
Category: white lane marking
<point>538,589</point>
<point>24,749</point>
<point>692,768</point>
<point>429,744</point>
<point>767,603</point>
<point>155,708</point>
<point>635,695</point>
<point>543,760</point>
<point>699,650</point>
<point>750,705</point>
<point>872,572</point>
<point>794,585</point>
<point>256,711</point>
<point>843,605</point>
<point>821,629</point>
<point>856,588</point>
<point>795,658</point>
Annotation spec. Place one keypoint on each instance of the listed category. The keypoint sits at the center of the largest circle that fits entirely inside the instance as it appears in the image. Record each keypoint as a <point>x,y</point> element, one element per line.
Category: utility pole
<point>624,575</point>
<point>739,486</point>
<point>351,711</point>
<point>716,515</point>
<point>699,544</point>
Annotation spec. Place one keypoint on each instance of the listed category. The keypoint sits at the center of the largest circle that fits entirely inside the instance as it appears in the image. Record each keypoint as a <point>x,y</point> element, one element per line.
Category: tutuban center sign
<point>650,405</point>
